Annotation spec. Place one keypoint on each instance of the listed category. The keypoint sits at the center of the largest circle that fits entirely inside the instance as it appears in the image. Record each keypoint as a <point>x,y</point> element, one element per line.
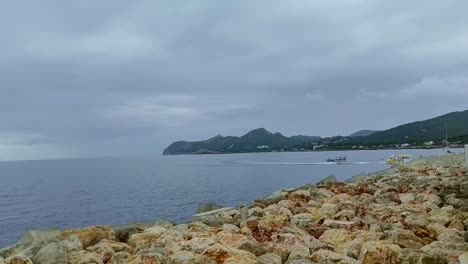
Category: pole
<point>466,155</point>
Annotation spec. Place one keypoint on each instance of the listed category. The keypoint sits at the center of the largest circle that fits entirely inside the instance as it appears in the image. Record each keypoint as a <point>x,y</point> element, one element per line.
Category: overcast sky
<point>98,78</point>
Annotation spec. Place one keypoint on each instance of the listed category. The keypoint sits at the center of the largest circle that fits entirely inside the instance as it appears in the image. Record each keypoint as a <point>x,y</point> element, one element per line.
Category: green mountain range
<point>261,140</point>
<point>257,140</point>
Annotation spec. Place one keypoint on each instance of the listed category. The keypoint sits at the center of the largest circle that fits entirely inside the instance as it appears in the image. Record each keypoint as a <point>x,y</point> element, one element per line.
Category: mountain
<point>422,131</point>
<point>363,133</point>
<point>257,140</point>
<point>261,140</point>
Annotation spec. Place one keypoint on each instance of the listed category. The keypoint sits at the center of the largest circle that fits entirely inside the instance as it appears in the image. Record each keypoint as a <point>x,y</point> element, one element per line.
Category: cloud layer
<point>89,78</point>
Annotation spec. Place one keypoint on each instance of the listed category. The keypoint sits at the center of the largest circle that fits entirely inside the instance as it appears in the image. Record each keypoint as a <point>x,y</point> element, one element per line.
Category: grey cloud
<point>90,78</point>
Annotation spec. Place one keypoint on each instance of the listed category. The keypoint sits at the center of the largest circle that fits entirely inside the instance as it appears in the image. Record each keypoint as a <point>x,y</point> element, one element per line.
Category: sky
<point>103,78</point>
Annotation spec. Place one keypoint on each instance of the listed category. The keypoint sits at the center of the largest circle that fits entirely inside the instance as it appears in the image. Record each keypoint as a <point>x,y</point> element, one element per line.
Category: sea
<point>73,193</point>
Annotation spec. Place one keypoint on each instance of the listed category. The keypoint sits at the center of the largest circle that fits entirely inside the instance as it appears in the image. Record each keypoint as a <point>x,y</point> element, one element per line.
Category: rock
<point>457,224</point>
<point>206,207</point>
<point>187,257</point>
<point>338,224</point>
<point>30,243</point>
<point>241,242</point>
<point>276,217</point>
<point>157,230</point>
<point>145,259</point>
<point>2,260</point>
<point>411,256</point>
<point>230,228</point>
<point>123,232</point>
<point>299,196</point>
<point>337,238</point>
<point>72,243</point>
<point>380,252</point>
<point>107,248</point>
<point>18,260</point>
<point>327,179</point>
<point>416,220</point>
<point>329,209</point>
<point>53,253</point>
<point>452,200</point>
<point>406,198</point>
<point>144,240</point>
<point>256,211</point>
<point>222,254</point>
<point>463,258</point>
<point>199,244</point>
<point>269,258</point>
<point>345,215</point>
<point>405,238</point>
<point>444,250</point>
<point>85,257</point>
<point>212,218</point>
<point>299,252</point>
<point>273,198</point>
<point>302,220</point>
<point>299,261</point>
<point>330,257</point>
<point>91,235</point>
<point>119,258</point>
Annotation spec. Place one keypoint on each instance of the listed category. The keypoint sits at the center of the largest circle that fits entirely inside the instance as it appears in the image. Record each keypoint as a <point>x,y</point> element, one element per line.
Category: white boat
<point>337,159</point>
<point>397,159</point>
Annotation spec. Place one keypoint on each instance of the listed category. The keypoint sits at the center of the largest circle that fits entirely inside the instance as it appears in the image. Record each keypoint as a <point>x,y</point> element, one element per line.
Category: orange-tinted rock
<point>91,235</point>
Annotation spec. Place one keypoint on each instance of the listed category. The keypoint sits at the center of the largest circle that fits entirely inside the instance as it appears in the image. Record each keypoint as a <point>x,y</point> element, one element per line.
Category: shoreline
<point>308,151</point>
<point>399,215</point>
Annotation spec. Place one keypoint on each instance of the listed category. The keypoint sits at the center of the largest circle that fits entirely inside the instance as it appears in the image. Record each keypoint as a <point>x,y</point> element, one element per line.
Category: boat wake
<point>305,163</point>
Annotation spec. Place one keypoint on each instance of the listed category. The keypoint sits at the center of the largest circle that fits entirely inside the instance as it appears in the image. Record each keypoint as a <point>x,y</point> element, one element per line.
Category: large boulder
<point>145,240</point>
<point>463,258</point>
<point>119,258</point>
<point>145,259</point>
<point>273,198</point>
<point>91,235</point>
<point>53,253</point>
<point>378,252</point>
<point>241,242</point>
<point>187,257</point>
<point>222,254</point>
<point>337,238</point>
<point>269,258</point>
<point>107,248</point>
<point>18,260</point>
<point>30,243</point>
<point>85,257</point>
<point>123,232</point>
<point>206,207</point>
<point>218,217</point>
<point>330,257</point>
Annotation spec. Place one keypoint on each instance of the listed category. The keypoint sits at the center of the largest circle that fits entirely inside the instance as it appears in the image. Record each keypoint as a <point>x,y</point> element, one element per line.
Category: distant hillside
<point>257,140</point>
<point>363,133</point>
<point>261,140</point>
<point>421,131</point>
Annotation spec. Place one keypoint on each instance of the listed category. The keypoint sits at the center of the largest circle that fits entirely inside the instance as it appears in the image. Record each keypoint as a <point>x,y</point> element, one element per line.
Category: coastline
<point>414,213</point>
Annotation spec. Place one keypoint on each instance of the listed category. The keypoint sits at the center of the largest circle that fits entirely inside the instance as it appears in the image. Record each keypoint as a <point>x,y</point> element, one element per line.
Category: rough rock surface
<point>416,213</point>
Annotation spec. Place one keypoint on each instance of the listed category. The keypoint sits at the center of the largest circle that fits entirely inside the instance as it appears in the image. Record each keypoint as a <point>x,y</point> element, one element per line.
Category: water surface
<point>82,192</point>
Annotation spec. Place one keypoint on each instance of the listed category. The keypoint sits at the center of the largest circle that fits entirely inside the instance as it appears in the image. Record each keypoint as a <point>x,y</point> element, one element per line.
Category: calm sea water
<point>82,192</point>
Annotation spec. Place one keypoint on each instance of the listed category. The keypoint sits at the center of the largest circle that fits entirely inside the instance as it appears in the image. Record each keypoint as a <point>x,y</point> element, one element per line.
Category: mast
<point>446,137</point>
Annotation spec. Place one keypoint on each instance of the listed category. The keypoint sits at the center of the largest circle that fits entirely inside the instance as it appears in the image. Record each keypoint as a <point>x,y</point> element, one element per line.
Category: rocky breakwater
<point>415,214</point>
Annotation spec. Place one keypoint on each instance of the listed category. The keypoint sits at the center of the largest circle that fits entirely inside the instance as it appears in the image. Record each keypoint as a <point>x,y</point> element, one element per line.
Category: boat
<point>337,159</point>
<point>397,159</point>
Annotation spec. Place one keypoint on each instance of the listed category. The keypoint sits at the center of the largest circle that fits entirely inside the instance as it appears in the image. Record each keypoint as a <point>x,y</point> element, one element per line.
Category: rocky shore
<point>417,213</point>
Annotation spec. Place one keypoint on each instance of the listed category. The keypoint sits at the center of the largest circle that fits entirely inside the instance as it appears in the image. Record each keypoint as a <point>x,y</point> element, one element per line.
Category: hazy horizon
<point>90,79</point>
